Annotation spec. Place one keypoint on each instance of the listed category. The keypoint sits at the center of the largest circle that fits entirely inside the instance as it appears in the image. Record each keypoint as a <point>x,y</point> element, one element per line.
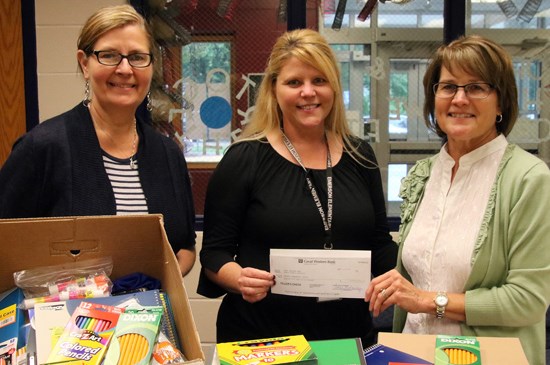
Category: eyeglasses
<point>475,90</point>
<point>113,58</point>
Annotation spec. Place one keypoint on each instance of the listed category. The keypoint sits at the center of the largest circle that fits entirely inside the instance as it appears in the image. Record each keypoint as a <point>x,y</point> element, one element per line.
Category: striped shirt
<point>129,195</point>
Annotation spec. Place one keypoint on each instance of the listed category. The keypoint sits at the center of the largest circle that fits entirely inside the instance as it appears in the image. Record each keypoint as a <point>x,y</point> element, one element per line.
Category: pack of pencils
<point>135,336</point>
<point>87,334</point>
<point>457,350</point>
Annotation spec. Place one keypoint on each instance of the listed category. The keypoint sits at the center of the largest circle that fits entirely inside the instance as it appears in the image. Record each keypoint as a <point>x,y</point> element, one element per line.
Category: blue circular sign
<point>215,112</point>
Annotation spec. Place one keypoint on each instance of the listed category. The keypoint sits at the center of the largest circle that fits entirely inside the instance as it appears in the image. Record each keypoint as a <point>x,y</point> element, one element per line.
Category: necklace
<point>133,163</point>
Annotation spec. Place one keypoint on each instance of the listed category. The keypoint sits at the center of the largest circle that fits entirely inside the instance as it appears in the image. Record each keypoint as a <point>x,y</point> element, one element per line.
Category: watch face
<point>441,300</point>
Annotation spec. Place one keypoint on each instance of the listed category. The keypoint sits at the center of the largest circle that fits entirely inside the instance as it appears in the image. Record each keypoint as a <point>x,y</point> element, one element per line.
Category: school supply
<point>87,335</point>
<point>168,322</point>
<point>277,350</point>
<point>144,298</point>
<point>12,322</point>
<point>51,318</point>
<point>65,240</point>
<point>31,302</point>
<point>379,354</point>
<point>165,353</point>
<point>345,351</point>
<point>135,336</point>
<point>457,350</point>
<point>77,278</point>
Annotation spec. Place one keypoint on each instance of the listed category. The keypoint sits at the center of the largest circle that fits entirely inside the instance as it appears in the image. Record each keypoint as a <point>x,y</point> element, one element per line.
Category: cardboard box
<point>494,350</point>
<point>135,243</point>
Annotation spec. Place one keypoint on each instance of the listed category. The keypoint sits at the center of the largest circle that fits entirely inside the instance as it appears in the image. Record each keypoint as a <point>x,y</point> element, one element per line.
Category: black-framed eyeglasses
<point>114,58</point>
<point>475,90</point>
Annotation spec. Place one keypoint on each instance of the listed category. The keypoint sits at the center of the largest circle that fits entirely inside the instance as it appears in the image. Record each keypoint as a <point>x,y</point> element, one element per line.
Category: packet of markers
<point>457,350</point>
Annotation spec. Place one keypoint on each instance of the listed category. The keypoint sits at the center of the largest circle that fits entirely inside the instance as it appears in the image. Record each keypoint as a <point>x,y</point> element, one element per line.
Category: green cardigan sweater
<point>508,290</point>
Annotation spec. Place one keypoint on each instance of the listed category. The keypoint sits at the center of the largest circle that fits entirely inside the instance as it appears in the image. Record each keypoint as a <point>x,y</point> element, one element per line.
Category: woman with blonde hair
<point>296,179</point>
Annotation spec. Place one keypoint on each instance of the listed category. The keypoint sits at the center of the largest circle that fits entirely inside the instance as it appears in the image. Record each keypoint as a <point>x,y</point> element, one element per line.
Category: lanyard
<point>327,219</point>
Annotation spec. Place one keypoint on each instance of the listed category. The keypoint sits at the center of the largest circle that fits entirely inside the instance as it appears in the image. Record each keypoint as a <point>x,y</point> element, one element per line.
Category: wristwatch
<point>441,300</point>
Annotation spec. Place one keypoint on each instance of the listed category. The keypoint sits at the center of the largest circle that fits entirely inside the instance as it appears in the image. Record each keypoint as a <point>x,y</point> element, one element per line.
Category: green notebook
<point>346,351</point>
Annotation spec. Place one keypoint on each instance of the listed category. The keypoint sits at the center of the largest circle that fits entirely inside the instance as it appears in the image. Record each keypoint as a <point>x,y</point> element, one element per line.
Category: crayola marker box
<point>457,350</point>
<point>87,334</point>
<point>135,337</point>
<point>277,350</point>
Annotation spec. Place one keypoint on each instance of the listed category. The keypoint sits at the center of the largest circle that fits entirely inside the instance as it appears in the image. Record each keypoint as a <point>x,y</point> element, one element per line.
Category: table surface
<point>494,350</point>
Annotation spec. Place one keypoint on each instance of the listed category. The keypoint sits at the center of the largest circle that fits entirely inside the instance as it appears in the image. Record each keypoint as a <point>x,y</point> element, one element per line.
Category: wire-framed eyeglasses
<point>113,58</point>
<point>475,90</point>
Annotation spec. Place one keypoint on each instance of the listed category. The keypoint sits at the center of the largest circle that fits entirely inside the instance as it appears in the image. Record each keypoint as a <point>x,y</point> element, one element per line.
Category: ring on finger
<point>383,293</point>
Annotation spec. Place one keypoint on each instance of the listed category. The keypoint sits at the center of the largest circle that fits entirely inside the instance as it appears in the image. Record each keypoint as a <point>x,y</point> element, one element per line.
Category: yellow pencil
<point>134,347</point>
<point>142,349</point>
<point>123,345</point>
<point>460,356</point>
<point>130,345</point>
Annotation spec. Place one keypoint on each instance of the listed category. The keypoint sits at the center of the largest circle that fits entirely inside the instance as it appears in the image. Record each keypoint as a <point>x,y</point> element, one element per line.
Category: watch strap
<point>440,309</point>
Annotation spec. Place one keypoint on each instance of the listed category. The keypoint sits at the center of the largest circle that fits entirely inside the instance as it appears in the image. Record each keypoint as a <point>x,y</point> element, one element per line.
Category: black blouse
<point>257,200</point>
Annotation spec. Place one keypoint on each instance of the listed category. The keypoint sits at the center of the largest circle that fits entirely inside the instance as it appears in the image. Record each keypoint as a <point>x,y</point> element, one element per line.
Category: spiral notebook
<point>384,355</point>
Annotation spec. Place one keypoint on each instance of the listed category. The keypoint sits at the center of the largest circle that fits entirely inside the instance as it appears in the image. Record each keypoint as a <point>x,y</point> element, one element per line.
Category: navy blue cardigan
<point>56,169</point>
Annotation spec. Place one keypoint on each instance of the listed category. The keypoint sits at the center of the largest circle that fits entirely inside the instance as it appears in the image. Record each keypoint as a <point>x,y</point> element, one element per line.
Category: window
<point>206,85</point>
<point>219,58</point>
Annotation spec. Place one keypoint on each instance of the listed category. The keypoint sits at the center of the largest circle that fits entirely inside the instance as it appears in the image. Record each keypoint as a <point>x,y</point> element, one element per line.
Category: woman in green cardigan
<point>474,255</point>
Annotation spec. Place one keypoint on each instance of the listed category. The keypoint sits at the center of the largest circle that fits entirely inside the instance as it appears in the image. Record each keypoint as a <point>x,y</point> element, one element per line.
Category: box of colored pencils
<point>277,350</point>
<point>457,350</point>
<point>87,334</point>
<point>135,337</point>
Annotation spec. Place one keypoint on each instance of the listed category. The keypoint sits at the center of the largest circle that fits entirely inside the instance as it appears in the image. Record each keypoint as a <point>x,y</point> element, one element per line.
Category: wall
<point>58,23</point>
<point>204,310</point>
<point>12,89</point>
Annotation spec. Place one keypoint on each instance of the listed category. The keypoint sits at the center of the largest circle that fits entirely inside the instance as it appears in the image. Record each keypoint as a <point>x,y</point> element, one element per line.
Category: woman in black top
<point>258,198</point>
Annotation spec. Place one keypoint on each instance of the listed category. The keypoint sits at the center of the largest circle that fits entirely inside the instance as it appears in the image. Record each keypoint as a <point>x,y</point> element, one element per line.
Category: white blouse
<point>438,250</point>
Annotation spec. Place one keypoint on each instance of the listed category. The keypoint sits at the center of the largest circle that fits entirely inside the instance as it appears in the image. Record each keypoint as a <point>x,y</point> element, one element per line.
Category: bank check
<point>320,273</point>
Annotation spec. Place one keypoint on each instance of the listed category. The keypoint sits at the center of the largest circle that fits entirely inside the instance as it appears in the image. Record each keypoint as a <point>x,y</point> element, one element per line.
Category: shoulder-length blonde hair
<point>311,48</point>
<point>480,57</point>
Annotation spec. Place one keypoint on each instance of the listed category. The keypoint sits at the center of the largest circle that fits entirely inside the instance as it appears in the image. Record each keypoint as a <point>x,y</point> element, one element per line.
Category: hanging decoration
<point>367,10</point>
<point>339,15</point>
<point>527,12</point>
<point>282,11</point>
<point>226,8</point>
<point>508,8</point>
